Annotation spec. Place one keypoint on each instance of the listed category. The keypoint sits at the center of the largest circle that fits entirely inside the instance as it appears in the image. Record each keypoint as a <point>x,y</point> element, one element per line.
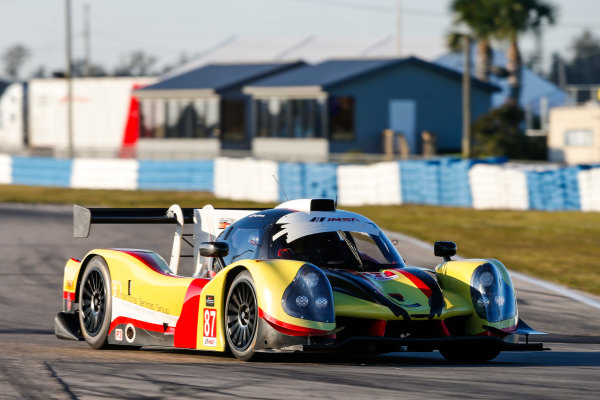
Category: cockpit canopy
<point>337,239</point>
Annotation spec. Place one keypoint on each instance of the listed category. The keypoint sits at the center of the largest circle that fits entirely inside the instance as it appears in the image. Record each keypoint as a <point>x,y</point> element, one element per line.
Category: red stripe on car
<point>146,259</point>
<point>416,281</point>
<point>186,330</point>
<point>69,296</point>
<point>289,329</point>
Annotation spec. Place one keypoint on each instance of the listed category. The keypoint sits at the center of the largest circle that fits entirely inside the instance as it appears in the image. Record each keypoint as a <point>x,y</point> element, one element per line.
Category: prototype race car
<point>302,276</point>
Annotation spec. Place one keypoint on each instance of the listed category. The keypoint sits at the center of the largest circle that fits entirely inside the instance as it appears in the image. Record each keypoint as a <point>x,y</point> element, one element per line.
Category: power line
<point>368,7</point>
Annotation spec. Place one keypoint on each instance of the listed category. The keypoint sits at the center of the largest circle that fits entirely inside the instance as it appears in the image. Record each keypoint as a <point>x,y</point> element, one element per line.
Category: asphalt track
<point>36,241</point>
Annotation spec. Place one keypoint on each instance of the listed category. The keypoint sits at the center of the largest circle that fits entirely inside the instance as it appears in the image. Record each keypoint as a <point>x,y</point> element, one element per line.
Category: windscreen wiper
<point>353,248</point>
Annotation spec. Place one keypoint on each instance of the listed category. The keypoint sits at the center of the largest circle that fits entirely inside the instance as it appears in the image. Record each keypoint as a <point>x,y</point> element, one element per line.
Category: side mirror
<point>213,249</point>
<point>444,249</point>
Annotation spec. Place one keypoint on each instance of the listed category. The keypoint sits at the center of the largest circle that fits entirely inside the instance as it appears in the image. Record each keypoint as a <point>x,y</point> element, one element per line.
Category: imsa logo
<point>331,219</point>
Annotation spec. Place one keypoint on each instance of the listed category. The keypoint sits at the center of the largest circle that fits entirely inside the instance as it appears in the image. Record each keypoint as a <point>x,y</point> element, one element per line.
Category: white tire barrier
<point>93,173</point>
<point>5,169</point>
<point>369,184</point>
<point>246,179</point>
<point>589,189</point>
<point>498,187</point>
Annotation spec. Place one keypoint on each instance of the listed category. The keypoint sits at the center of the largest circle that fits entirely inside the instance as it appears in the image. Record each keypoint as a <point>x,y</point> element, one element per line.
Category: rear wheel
<point>241,316</point>
<point>95,303</point>
<point>470,354</point>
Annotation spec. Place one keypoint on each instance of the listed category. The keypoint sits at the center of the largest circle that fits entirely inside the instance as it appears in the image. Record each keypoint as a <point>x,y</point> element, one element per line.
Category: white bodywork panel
<point>300,224</point>
<point>208,225</point>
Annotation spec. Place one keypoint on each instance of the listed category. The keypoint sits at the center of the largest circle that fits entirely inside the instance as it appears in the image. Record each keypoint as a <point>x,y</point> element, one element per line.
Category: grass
<point>563,247</point>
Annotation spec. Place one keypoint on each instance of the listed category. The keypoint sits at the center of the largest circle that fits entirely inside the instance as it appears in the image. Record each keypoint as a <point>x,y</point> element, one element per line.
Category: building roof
<point>219,77</point>
<point>334,72</point>
<point>277,48</point>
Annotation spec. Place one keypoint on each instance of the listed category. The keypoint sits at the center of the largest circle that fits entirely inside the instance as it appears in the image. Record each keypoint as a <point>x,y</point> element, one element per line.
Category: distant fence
<point>480,184</point>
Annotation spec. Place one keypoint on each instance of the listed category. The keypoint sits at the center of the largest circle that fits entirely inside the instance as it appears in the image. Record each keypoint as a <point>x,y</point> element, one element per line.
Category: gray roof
<point>333,72</point>
<point>219,77</point>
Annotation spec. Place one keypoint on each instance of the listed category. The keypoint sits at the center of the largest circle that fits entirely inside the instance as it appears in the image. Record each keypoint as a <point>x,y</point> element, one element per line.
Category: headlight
<point>494,299</point>
<point>309,296</point>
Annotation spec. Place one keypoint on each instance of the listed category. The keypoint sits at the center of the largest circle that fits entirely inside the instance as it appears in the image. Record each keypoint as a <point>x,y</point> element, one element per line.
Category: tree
<point>480,17</point>
<point>584,67</point>
<point>498,134</point>
<point>137,63</point>
<point>14,58</point>
<point>513,18</point>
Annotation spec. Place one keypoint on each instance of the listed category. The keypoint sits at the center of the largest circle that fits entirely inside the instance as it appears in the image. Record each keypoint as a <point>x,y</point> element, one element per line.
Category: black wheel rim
<point>241,316</point>
<point>93,305</point>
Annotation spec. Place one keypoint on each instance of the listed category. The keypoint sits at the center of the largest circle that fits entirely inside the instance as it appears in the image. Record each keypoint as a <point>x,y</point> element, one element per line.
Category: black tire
<point>95,303</point>
<point>241,317</point>
<point>470,354</point>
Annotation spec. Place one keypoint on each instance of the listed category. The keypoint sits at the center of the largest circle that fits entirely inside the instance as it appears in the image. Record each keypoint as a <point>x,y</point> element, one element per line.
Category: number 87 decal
<point>210,322</point>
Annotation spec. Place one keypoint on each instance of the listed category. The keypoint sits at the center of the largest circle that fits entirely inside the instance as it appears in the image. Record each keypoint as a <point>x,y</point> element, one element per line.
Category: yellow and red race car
<point>302,276</point>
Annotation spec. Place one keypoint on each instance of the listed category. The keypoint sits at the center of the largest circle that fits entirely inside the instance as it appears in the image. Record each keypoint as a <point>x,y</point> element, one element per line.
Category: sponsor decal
<point>325,219</point>
<point>210,301</point>
<point>380,276</point>
<point>225,222</point>
<point>256,216</point>
<point>119,335</point>
<point>210,327</point>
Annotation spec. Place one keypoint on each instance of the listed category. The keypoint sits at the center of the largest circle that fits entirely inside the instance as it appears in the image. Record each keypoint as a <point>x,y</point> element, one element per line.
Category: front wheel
<point>469,354</point>
<point>241,317</point>
<point>95,303</point>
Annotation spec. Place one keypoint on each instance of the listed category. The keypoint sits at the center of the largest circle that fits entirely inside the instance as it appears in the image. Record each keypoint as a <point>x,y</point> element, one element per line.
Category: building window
<point>297,118</point>
<point>233,122</point>
<point>341,118</point>
<point>177,118</point>
<point>579,137</point>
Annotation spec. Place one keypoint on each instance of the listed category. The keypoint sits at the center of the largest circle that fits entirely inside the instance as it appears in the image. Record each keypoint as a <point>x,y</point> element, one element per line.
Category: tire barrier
<point>41,171</point>
<point>5,169</point>
<point>98,173</point>
<point>369,184</point>
<point>176,175</point>
<point>589,189</point>
<point>480,184</point>
<point>498,187</point>
<point>246,179</point>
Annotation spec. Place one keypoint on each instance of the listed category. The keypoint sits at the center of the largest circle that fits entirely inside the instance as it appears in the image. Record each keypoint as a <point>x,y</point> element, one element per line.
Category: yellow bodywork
<point>135,283</point>
<point>455,278</point>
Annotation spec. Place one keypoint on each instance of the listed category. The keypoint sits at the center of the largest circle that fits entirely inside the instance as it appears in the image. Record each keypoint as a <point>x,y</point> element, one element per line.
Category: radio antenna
<point>281,187</point>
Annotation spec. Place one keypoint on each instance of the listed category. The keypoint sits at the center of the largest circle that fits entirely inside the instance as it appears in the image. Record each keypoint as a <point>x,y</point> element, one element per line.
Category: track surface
<point>36,241</point>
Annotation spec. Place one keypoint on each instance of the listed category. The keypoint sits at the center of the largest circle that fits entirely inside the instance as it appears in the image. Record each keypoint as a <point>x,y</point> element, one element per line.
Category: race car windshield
<point>360,251</point>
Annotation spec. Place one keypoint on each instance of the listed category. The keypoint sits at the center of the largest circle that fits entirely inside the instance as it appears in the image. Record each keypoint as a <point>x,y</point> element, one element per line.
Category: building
<point>200,112</point>
<point>343,106</point>
<point>104,118</point>
<point>574,134</point>
<point>13,132</point>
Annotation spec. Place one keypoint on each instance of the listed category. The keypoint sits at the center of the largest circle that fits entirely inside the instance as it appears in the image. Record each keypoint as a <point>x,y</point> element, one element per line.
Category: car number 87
<point>210,318</point>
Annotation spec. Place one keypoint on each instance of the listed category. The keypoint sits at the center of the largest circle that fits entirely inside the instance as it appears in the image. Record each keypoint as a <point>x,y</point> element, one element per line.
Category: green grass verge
<point>563,247</point>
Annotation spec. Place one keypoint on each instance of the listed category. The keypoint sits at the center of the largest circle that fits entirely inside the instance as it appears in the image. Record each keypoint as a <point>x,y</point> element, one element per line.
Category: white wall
<point>100,111</point>
<point>11,118</point>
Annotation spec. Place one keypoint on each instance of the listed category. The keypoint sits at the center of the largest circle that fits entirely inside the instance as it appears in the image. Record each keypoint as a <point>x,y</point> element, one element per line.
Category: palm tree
<point>480,17</point>
<point>514,17</point>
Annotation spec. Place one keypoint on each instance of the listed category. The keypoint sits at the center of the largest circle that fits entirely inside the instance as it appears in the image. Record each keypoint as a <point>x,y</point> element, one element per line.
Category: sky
<point>169,28</point>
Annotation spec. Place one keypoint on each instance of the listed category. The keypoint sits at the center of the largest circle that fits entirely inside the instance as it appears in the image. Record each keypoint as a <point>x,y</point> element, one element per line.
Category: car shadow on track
<point>506,359</point>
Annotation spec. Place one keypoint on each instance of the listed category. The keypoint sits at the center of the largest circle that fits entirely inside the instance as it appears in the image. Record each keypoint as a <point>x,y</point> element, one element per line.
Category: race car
<point>301,277</point>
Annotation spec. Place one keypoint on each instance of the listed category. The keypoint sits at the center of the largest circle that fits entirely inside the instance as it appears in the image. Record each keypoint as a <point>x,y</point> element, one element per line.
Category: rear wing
<point>208,223</point>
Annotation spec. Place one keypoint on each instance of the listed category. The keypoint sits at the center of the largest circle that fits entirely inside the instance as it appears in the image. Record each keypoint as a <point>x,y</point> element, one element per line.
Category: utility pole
<point>69,78</point>
<point>86,38</point>
<point>398,35</point>
<point>466,97</point>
